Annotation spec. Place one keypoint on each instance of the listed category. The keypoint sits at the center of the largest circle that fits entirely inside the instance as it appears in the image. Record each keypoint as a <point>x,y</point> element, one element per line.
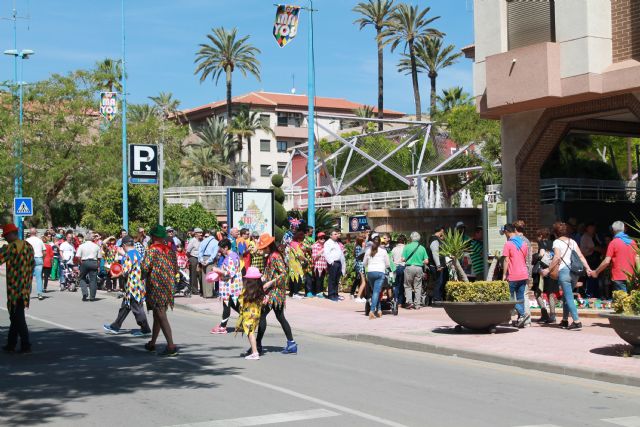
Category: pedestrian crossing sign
<point>23,206</point>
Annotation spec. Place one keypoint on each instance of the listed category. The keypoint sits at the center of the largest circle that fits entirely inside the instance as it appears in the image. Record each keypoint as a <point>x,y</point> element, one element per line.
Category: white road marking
<point>282,390</point>
<point>624,421</point>
<point>541,425</point>
<point>312,399</point>
<point>285,417</point>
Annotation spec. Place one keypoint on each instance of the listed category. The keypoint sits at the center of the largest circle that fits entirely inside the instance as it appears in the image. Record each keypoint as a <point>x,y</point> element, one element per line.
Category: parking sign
<point>143,164</point>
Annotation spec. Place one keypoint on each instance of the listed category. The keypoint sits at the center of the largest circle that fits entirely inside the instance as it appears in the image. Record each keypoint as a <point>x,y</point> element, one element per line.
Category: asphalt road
<point>78,375</point>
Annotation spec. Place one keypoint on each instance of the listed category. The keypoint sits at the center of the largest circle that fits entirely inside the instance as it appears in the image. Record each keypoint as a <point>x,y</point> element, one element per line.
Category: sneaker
<point>297,296</point>
<point>40,297</point>
<point>85,298</point>
<point>248,352</point>
<point>110,330</point>
<point>219,330</point>
<point>320,295</point>
<point>564,324</point>
<point>252,356</point>
<point>523,321</point>
<point>575,326</point>
<point>139,333</point>
<point>550,321</point>
<point>291,348</point>
<point>169,352</point>
<point>150,347</point>
<point>310,295</point>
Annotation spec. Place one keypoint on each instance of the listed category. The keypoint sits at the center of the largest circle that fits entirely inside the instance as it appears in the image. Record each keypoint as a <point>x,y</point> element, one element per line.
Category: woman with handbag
<point>544,285</point>
<point>565,263</point>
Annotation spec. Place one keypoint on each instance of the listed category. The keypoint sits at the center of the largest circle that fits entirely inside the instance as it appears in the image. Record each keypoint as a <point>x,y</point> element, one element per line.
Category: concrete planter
<point>479,316</point>
<point>627,327</point>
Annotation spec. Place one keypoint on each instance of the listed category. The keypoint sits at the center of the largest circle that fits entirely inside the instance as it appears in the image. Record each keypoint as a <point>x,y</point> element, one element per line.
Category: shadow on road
<point>615,350</point>
<point>454,330</point>
<point>70,366</point>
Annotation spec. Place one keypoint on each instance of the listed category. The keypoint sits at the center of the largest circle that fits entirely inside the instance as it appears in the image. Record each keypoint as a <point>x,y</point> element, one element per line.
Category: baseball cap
<point>460,224</point>
<point>127,240</point>
<point>170,229</point>
<point>197,230</point>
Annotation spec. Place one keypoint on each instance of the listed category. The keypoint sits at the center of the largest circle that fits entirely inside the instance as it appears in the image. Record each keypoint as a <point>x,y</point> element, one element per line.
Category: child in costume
<point>250,301</point>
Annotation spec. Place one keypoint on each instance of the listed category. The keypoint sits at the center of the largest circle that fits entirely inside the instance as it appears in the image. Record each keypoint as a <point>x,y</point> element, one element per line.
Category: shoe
<point>252,356</point>
<point>378,314</point>
<point>297,296</point>
<point>139,333</point>
<point>92,299</point>
<point>320,295</point>
<point>408,306</point>
<point>371,316</point>
<point>110,330</point>
<point>169,352</point>
<point>575,326</point>
<point>219,330</point>
<point>564,324</point>
<point>291,348</point>
<point>541,320</point>
<point>150,347</point>
<point>550,321</point>
<point>310,295</point>
<point>248,352</point>
<point>522,322</point>
<point>84,299</point>
<point>9,349</point>
<point>40,297</point>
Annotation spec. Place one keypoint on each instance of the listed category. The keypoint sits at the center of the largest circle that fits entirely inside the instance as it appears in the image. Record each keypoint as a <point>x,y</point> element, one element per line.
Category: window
<point>290,119</point>
<point>265,170</point>
<point>530,22</point>
<point>265,120</point>
<point>281,167</point>
<point>282,146</point>
<point>265,145</point>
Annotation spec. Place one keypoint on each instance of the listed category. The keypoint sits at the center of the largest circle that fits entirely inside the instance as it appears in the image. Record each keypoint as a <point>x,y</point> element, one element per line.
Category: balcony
<point>291,132</point>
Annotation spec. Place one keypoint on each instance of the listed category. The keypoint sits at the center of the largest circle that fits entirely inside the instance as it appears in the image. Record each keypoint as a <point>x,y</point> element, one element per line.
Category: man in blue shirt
<point>206,256</point>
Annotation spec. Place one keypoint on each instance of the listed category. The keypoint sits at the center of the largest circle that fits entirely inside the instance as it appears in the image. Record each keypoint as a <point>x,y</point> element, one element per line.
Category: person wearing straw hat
<point>18,255</point>
<point>161,267</point>
<point>275,285</point>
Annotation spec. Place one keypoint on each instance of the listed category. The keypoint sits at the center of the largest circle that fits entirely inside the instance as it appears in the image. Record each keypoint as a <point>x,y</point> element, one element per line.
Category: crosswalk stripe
<point>624,421</point>
<point>541,425</point>
<point>285,417</point>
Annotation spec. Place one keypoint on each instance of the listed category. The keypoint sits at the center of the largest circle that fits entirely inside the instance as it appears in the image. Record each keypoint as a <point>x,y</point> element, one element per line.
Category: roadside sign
<point>108,105</point>
<point>286,25</point>
<point>23,206</point>
<point>357,223</point>
<point>143,164</point>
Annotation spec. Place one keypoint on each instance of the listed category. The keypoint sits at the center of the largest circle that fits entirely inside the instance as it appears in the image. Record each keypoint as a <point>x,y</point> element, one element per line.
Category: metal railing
<point>403,199</point>
<point>578,189</point>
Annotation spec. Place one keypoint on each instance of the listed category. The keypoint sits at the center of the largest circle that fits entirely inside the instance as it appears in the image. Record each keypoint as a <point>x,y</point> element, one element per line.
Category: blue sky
<point>163,36</point>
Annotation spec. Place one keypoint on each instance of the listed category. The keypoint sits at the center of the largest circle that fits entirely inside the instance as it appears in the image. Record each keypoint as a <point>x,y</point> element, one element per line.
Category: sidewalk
<point>595,352</point>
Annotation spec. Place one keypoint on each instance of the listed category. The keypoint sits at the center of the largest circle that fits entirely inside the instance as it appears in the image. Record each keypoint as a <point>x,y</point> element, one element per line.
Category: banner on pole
<point>108,105</point>
<point>286,26</point>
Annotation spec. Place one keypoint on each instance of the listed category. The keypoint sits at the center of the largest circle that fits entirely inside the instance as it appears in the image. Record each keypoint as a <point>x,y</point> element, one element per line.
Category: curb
<point>584,314</point>
<point>492,358</point>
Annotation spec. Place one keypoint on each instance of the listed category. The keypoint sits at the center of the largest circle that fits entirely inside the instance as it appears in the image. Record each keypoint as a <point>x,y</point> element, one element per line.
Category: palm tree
<point>453,97</point>
<point>244,125</point>
<point>142,112</point>
<point>214,135</point>
<point>226,53</point>
<point>202,165</point>
<point>431,58</point>
<point>365,112</point>
<point>407,26</point>
<point>166,104</point>
<point>108,75</point>
<point>377,14</point>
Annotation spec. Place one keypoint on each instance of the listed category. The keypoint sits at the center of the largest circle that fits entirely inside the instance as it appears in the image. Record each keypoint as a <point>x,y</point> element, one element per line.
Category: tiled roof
<point>283,100</point>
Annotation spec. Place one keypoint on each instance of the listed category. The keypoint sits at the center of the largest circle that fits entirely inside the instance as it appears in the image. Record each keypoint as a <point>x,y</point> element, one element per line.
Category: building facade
<point>549,67</point>
<point>286,115</point>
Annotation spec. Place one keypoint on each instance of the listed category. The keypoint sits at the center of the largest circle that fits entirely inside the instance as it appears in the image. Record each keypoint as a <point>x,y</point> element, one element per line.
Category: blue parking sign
<point>23,206</point>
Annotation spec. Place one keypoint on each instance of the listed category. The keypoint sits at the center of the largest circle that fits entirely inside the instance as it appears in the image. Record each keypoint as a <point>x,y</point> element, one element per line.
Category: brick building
<point>549,67</point>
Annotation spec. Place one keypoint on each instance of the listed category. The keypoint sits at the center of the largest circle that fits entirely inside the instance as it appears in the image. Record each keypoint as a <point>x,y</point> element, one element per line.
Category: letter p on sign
<point>141,155</point>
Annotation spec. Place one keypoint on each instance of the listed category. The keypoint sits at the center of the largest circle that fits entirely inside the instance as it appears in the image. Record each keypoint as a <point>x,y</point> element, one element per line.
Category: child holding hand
<point>250,301</point>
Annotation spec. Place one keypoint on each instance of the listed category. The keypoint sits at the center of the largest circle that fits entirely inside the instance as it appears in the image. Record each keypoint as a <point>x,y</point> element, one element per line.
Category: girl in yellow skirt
<point>251,300</point>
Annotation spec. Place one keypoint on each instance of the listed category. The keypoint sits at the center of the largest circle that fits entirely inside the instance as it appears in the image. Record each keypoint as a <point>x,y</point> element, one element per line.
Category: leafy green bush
<point>624,303</point>
<point>495,291</point>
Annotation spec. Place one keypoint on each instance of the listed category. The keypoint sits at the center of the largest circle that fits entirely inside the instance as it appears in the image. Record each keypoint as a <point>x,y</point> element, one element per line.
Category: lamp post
<point>311,167</point>
<point>125,184</point>
<point>17,180</point>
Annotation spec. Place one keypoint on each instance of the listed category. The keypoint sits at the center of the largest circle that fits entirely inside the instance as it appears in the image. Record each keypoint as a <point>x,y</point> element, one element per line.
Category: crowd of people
<point>254,274</point>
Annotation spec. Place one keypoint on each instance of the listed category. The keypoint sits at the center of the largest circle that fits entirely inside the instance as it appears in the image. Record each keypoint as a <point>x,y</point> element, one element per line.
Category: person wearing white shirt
<point>376,263</point>
<point>335,260</point>
<point>38,256</point>
<point>88,252</point>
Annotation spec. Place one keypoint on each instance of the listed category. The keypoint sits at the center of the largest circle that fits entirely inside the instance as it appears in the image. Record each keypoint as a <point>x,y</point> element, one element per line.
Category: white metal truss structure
<point>357,161</point>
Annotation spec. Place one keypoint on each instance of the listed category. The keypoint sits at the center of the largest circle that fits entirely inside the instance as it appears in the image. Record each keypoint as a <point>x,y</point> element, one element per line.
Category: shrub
<point>624,303</point>
<point>277,180</point>
<point>495,291</point>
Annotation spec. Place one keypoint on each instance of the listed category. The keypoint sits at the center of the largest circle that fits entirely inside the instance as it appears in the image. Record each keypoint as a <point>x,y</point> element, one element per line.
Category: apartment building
<point>545,68</point>
<point>286,115</point>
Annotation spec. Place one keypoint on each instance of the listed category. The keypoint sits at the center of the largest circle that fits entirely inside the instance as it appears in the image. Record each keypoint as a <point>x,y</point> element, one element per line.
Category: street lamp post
<point>18,179</point>
<point>125,184</point>
<point>311,167</point>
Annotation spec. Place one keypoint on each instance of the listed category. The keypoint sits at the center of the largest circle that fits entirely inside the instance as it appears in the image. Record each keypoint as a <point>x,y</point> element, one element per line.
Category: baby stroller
<point>387,300</point>
<point>182,285</point>
<point>71,275</point>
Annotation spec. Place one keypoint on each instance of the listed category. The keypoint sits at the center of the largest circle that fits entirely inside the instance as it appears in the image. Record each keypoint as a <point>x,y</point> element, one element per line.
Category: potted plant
<point>480,305</point>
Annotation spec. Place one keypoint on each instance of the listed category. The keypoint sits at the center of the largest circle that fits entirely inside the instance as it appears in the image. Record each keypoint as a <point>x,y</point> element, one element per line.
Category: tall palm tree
<point>202,165</point>
<point>107,75</point>
<point>431,58</point>
<point>214,135</point>
<point>165,103</point>
<point>407,26</point>
<point>377,14</point>
<point>226,53</point>
<point>364,112</point>
<point>141,112</point>
<point>453,97</point>
<point>244,125</point>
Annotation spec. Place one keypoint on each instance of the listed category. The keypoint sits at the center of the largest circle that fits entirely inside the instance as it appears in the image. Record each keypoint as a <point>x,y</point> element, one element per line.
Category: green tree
<point>377,14</point>
<point>166,104</point>
<point>244,125</point>
<point>224,54</point>
<point>430,57</point>
<point>107,75</point>
<point>453,97</point>
<point>214,135</point>
<point>193,216</point>
<point>408,25</point>
<point>364,112</point>
<point>203,166</point>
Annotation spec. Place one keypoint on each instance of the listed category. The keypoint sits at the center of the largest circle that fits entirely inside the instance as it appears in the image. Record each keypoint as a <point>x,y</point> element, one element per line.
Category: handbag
<point>576,267</point>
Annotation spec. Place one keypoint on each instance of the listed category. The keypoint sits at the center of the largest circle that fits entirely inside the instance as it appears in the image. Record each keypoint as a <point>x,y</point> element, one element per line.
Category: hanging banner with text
<point>108,105</point>
<point>286,26</point>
